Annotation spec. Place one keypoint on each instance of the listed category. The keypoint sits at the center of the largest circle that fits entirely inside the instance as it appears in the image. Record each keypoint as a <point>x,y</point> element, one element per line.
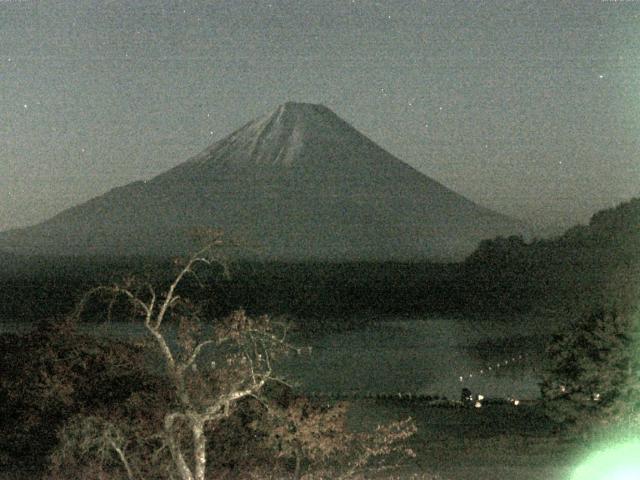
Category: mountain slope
<point>299,183</point>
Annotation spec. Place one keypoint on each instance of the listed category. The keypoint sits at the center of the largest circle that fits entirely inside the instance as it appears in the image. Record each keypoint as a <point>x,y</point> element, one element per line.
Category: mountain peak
<point>304,107</point>
<point>300,112</point>
<point>304,110</point>
<point>278,138</point>
<point>302,115</point>
<point>296,183</point>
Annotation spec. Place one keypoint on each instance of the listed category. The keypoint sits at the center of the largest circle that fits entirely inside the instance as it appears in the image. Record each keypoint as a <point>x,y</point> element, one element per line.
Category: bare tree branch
<point>248,343</point>
<point>196,352</point>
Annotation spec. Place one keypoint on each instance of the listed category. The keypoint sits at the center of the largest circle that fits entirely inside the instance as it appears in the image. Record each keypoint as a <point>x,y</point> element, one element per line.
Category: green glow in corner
<point>621,462</point>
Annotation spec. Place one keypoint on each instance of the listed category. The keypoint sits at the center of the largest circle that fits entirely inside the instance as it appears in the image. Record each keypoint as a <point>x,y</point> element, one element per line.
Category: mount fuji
<point>297,184</point>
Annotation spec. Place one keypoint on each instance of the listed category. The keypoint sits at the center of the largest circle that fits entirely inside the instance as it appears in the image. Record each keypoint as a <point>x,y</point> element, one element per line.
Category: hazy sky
<point>529,107</point>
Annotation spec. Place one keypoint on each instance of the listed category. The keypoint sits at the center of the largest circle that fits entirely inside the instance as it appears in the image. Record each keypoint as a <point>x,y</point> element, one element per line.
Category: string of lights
<point>468,397</point>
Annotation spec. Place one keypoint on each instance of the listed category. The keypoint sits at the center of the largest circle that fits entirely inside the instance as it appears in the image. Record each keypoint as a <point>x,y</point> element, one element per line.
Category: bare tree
<point>211,369</point>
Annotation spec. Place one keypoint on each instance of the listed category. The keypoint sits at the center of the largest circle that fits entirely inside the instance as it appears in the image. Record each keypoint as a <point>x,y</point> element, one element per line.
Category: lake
<point>432,355</point>
<point>424,356</point>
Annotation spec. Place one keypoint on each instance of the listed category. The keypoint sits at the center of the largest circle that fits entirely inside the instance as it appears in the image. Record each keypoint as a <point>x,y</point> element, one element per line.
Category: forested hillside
<point>595,265</point>
<point>589,265</point>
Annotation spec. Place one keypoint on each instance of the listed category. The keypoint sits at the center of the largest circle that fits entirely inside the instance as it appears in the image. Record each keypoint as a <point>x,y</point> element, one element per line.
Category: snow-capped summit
<point>298,183</point>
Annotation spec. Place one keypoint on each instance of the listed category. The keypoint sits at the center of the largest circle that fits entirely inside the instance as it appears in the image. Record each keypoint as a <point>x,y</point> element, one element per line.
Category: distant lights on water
<point>490,368</point>
<point>513,401</point>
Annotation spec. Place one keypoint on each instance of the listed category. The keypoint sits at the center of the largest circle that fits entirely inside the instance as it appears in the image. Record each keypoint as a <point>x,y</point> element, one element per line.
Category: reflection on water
<point>428,356</point>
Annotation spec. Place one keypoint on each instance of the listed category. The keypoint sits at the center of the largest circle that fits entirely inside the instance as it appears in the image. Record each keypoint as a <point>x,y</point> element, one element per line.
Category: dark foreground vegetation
<point>76,406</point>
<point>65,397</point>
<point>196,398</point>
<point>79,406</point>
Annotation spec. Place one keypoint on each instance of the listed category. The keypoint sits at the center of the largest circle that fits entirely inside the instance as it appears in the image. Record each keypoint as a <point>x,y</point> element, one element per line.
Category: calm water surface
<point>398,355</point>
